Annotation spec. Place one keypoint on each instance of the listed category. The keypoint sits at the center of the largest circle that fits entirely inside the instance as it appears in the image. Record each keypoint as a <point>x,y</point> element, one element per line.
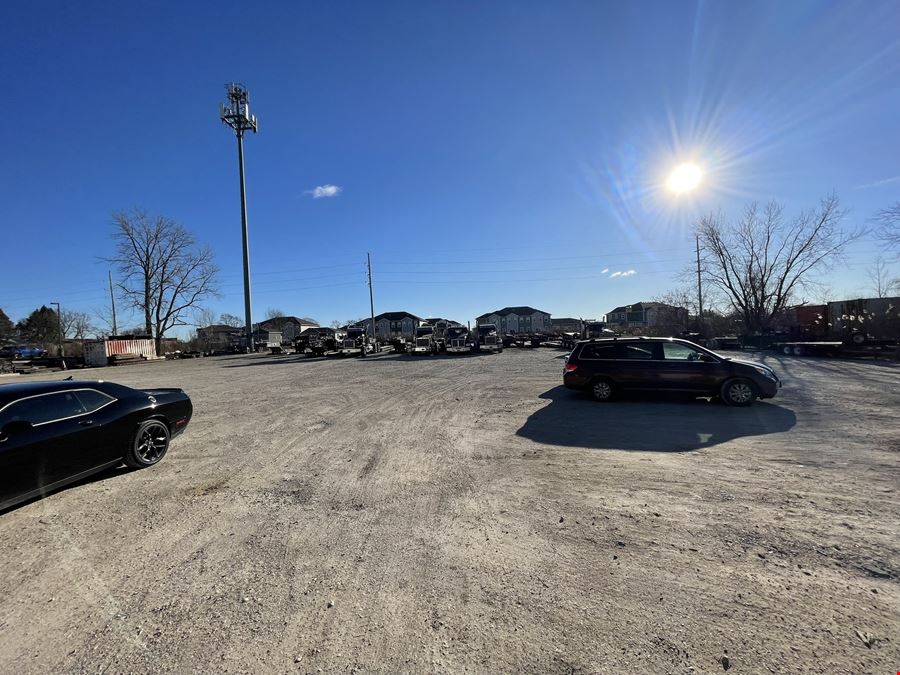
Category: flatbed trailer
<point>849,349</point>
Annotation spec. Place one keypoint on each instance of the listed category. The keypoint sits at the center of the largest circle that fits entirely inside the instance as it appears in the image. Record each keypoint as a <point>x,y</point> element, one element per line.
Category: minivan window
<point>637,352</point>
<point>675,351</point>
<point>598,352</point>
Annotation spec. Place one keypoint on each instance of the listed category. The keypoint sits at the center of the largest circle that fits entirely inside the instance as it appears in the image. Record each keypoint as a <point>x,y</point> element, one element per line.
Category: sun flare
<point>684,178</point>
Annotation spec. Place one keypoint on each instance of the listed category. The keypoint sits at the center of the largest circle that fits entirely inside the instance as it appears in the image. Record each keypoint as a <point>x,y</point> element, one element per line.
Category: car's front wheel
<point>149,445</point>
<point>602,390</point>
<point>738,392</point>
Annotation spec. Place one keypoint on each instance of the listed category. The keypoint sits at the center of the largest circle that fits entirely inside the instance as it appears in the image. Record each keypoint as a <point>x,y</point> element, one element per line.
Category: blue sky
<point>487,154</point>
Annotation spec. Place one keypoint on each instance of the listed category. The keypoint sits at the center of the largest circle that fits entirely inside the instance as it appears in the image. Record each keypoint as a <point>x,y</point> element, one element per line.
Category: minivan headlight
<point>765,371</point>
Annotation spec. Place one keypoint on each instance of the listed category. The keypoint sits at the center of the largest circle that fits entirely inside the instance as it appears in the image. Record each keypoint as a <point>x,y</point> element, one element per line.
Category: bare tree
<point>76,325</point>
<point>335,324</point>
<point>888,228</point>
<point>164,272</point>
<point>883,281</point>
<point>231,320</point>
<point>203,317</point>
<point>760,262</point>
<point>273,313</point>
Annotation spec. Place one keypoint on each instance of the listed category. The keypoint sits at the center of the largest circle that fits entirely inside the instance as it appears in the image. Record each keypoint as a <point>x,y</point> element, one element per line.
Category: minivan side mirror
<point>15,427</point>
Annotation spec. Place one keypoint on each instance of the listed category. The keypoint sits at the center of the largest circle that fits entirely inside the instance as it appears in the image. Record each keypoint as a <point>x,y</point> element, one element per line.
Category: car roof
<point>12,391</point>
<point>632,338</point>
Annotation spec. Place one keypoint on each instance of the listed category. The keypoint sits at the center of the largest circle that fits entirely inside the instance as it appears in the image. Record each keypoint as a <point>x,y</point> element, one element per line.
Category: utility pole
<point>59,333</point>
<point>237,116</point>
<point>112,300</point>
<point>699,289</point>
<point>371,299</point>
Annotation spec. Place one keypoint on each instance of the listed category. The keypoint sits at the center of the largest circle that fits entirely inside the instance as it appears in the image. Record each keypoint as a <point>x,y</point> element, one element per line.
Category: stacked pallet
<point>125,359</point>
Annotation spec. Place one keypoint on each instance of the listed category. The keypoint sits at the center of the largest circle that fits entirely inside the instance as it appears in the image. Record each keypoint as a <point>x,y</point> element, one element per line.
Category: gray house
<point>289,326</point>
<point>649,315</point>
<point>518,320</point>
<point>392,324</point>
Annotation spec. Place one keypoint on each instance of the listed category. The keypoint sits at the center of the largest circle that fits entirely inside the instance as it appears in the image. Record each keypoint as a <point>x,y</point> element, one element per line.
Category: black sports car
<point>54,433</point>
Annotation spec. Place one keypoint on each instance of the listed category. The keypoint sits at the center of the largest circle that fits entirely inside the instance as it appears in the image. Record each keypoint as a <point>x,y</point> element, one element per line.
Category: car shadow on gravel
<point>657,423</point>
<point>107,474</point>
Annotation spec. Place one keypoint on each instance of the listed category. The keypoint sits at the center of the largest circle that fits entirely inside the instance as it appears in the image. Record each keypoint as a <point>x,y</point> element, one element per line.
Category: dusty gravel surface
<point>469,515</point>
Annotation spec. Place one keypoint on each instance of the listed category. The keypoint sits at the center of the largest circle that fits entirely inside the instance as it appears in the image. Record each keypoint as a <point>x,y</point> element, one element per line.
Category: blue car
<point>22,352</point>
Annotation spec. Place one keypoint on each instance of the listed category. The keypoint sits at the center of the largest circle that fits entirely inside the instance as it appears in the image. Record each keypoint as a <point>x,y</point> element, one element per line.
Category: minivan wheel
<point>602,390</point>
<point>738,392</point>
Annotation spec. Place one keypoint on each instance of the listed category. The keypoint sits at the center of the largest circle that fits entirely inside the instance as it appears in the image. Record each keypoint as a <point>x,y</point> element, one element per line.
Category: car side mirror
<point>15,427</point>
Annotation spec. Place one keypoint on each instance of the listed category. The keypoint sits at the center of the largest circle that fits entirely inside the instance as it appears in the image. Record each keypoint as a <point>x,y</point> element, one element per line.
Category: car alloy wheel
<point>151,442</point>
<point>602,390</point>
<point>740,393</point>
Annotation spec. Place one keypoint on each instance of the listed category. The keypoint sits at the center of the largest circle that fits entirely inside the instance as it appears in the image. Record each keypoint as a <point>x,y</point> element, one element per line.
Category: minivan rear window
<point>598,352</point>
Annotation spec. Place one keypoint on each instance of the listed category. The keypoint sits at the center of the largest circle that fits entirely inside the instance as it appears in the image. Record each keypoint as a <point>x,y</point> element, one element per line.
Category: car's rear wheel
<point>738,392</point>
<point>602,390</point>
<point>149,445</point>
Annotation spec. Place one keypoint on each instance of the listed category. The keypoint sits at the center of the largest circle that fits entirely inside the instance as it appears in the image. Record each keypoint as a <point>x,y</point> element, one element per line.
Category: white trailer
<point>98,352</point>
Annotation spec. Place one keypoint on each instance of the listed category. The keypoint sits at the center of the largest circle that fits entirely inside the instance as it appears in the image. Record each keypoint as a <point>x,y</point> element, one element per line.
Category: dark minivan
<point>606,367</point>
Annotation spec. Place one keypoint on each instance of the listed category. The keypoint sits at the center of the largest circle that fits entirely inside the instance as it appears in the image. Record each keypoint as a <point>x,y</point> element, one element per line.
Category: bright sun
<point>684,178</point>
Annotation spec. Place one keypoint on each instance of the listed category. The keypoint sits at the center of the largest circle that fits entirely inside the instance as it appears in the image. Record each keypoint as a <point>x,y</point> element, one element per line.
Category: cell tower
<point>236,114</point>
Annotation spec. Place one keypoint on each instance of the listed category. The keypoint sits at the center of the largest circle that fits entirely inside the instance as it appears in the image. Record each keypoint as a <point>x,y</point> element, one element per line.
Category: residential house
<point>289,326</point>
<point>392,324</point>
<point>220,337</point>
<point>518,320</point>
<point>649,315</point>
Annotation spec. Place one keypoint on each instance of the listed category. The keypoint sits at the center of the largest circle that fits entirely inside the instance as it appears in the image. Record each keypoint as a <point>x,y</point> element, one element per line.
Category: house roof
<point>396,316</point>
<point>317,330</point>
<point>433,321</point>
<point>279,320</point>
<point>639,306</point>
<point>521,310</point>
<point>221,327</point>
<point>567,319</point>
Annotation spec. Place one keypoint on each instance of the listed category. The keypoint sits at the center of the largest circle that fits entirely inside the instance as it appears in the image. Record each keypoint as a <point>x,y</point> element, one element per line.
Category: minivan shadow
<point>651,423</point>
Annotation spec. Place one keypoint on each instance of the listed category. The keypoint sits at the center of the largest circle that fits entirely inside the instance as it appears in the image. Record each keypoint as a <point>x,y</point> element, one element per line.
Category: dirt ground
<point>468,514</point>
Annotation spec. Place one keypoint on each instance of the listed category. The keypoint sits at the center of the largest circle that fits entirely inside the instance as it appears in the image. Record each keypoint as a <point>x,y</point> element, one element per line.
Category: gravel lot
<point>466,513</point>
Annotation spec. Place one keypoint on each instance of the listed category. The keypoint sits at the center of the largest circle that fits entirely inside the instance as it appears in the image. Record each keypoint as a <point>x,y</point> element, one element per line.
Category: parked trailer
<point>104,352</point>
<point>852,348</point>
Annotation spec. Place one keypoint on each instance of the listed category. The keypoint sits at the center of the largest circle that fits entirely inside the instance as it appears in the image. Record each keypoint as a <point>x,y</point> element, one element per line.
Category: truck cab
<point>424,341</point>
<point>458,340</point>
<point>354,342</point>
<point>487,339</point>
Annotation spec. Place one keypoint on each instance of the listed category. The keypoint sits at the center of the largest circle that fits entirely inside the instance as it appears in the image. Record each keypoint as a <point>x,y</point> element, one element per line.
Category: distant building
<point>518,320</point>
<point>289,326</point>
<point>392,324</point>
<point>567,325</point>
<point>220,336</point>
<point>649,315</point>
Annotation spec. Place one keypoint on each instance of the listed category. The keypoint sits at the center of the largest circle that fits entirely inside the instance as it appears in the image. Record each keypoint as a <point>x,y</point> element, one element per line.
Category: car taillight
<point>571,367</point>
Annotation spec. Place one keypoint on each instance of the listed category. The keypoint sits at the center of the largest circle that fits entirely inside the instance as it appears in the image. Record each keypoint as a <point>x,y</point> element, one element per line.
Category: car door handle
<point>85,423</point>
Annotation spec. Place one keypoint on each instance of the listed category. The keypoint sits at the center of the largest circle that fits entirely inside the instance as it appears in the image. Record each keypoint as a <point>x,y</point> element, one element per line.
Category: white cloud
<point>615,274</point>
<point>879,183</point>
<point>628,273</point>
<point>622,274</point>
<point>327,190</point>
<point>605,270</point>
